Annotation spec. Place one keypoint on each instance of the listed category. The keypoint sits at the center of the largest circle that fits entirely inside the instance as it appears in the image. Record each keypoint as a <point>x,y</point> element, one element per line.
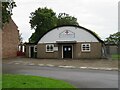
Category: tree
<point>7,10</point>
<point>44,19</point>
<point>65,19</point>
<point>41,21</point>
<point>113,38</point>
<point>20,38</point>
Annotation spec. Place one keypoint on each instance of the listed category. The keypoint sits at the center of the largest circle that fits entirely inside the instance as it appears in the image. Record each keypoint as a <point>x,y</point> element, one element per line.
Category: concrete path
<point>101,64</point>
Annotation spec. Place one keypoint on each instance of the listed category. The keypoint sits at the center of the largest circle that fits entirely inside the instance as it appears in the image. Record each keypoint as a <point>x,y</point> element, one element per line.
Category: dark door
<point>32,52</point>
<point>67,51</point>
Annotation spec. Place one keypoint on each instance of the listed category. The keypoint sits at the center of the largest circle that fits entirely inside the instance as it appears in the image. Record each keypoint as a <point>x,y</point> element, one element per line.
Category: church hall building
<point>67,42</point>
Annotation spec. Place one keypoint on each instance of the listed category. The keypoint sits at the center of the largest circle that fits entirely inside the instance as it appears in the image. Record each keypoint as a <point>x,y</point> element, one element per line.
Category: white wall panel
<point>81,35</point>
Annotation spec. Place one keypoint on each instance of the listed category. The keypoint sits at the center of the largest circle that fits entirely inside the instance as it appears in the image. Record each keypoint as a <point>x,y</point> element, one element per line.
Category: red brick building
<point>10,40</point>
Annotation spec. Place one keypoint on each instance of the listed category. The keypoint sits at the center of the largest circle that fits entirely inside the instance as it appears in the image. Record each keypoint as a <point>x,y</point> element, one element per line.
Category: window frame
<point>35,48</point>
<point>50,50</point>
<point>85,45</point>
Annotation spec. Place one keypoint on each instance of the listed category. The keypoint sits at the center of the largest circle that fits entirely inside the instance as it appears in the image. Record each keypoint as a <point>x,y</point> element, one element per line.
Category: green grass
<point>115,56</point>
<point>27,81</point>
<point>0,81</point>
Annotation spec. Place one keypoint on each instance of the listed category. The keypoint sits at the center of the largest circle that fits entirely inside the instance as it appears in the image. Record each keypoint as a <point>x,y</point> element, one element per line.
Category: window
<point>49,48</point>
<point>85,47</point>
<point>35,48</point>
<point>23,48</point>
<point>69,49</point>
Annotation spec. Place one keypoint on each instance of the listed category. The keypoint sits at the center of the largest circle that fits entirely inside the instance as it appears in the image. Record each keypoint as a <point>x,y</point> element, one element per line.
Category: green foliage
<point>113,38</point>
<point>41,21</point>
<point>116,57</point>
<point>27,81</point>
<point>20,38</point>
<point>7,10</point>
<point>65,19</point>
<point>44,19</point>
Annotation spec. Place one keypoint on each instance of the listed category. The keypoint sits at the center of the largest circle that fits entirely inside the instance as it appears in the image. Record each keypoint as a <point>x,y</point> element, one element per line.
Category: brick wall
<point>41,52</point>
<point>0,44</point>
<point>95,52</point>
<point>10,40</point>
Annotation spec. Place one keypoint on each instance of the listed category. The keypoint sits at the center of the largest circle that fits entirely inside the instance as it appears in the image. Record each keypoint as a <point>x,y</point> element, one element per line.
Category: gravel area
<point>98,63</point>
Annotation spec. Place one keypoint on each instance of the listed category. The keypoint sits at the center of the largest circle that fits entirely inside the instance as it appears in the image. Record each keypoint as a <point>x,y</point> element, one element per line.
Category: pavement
<point>96,64</point>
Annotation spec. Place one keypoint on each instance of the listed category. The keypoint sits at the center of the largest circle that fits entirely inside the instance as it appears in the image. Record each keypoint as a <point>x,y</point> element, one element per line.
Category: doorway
<point>67,51</point>
<point>31,51</point>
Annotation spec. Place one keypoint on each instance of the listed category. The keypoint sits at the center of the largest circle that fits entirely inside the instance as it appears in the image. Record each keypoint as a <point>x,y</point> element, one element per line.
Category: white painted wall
<point>81,35</point>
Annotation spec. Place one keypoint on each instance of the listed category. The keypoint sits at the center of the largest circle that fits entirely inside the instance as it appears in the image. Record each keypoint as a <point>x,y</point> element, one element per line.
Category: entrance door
<point>67,51</point>
<point>31,52</point>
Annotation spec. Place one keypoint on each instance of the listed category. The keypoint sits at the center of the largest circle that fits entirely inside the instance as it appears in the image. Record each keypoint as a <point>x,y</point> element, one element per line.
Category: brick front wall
<point>95,52</point>
<point>41,52</point>
<point>10,40</point>
<point>0,43</point>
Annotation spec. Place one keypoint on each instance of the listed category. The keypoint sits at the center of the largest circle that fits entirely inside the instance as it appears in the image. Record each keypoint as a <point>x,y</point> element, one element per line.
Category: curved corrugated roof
<point>77,27</point>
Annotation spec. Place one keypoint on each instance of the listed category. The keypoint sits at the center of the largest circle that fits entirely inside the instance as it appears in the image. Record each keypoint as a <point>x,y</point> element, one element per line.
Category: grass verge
<point>27,81</point>
<point>115,57</point>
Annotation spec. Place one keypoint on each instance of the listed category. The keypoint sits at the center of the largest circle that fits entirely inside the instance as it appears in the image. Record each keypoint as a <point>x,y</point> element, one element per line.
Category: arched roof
<point>74,26</point>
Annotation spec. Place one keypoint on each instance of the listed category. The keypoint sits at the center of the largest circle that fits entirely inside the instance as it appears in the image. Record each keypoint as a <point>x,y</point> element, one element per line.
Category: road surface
<point>80,78</point>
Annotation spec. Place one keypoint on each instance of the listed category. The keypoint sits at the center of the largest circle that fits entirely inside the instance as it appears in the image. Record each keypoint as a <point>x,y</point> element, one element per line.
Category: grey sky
<point>100,16</point>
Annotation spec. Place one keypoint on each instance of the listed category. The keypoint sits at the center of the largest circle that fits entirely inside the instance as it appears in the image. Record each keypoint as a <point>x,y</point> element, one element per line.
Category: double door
<point>67,51</point>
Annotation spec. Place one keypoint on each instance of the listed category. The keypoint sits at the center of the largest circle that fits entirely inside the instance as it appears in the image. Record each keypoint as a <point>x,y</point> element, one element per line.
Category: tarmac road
<point>78,77</point>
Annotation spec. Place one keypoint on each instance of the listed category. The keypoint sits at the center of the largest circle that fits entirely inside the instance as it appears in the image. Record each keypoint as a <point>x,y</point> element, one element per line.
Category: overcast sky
<point>100,16</point>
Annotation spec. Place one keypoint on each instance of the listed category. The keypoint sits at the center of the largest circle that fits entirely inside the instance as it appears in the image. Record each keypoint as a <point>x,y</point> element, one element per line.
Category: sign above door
<point>67,34</point>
